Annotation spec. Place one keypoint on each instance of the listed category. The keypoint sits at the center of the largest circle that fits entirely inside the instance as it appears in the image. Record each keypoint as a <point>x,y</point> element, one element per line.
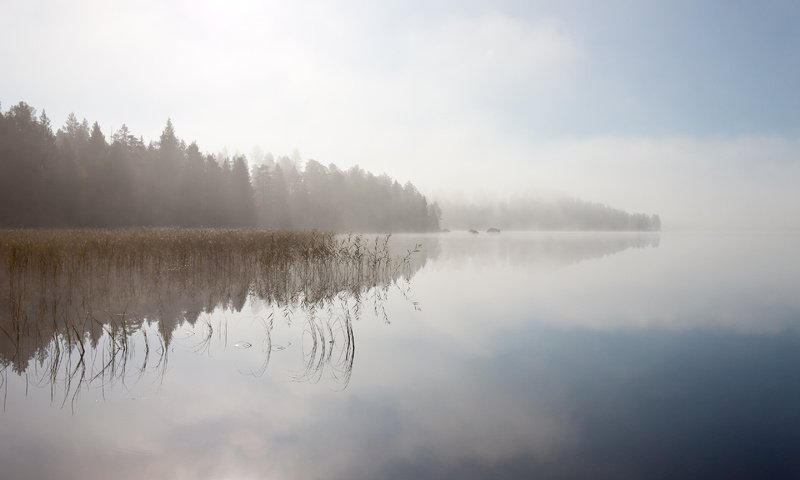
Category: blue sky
<point>694,67</point>
<point>678,67</point>
<point>622,102</point>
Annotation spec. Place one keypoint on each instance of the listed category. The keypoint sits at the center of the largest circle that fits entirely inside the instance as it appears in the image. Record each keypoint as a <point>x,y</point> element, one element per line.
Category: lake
<point>511,355</point>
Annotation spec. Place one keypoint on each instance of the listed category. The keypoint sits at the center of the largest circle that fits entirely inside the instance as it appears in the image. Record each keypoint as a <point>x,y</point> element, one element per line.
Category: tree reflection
<point>98,316</point>
<point>101,317</point>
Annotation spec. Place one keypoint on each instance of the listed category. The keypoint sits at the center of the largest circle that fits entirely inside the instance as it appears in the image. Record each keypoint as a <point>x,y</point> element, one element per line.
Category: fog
<point>689,113</point>
<point>357,239</point>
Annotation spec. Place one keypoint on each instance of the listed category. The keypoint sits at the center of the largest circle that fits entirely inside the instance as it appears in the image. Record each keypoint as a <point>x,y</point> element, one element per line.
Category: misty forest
<point>543,214</point>
<point>77,177</point>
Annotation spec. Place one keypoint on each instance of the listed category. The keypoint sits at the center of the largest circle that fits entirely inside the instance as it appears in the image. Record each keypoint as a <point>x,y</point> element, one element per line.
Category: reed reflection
<point>101,307</point>
<point>98,308</point>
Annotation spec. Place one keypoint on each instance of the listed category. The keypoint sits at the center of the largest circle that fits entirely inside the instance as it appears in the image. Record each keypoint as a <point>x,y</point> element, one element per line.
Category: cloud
<point>485,55</point>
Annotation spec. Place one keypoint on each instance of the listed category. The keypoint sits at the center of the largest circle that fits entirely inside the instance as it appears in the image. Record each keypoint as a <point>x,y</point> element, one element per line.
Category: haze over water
<point>593,269</point>
<point>518,355</point>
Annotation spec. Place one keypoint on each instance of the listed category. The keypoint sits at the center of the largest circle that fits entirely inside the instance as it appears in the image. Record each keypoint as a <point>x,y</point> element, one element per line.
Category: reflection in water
<point>179,369</point>
<point>69,319</point>
<point>541,248</point>
<point>85,321</point>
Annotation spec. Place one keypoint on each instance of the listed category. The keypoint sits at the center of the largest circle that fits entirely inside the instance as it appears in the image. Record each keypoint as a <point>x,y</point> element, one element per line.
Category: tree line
<point>77,177</point>
<point>539,214</point>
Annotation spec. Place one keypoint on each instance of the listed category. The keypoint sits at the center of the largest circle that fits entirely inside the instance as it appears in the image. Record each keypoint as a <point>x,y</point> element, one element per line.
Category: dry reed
<point>76,300</point>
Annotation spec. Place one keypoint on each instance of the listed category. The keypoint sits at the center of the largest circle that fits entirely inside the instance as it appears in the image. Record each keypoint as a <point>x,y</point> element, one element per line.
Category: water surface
<point>518,355</point>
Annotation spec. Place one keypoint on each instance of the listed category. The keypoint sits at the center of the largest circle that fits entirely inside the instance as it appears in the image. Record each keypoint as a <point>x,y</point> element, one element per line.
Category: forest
<point>77,177</point>
<point>531,213</point>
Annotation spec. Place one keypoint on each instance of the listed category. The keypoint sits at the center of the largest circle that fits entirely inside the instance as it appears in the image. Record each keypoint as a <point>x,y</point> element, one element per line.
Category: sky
<point>689,109</point>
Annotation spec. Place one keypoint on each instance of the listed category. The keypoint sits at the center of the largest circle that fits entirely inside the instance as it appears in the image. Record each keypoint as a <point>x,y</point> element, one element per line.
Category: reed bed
<point>69,294</point>
<point>51,249</point>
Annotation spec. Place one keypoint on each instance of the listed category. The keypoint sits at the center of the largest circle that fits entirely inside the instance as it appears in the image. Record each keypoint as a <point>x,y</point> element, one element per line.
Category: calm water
<point>509,356</point>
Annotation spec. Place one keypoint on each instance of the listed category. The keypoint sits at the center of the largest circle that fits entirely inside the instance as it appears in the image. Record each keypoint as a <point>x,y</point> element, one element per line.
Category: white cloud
<point>484,55</point>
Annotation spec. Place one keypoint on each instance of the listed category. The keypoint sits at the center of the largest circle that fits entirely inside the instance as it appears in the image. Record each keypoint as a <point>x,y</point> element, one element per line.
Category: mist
<point>74,177</point>
<point>494,100</point>
<point>359,239</point>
